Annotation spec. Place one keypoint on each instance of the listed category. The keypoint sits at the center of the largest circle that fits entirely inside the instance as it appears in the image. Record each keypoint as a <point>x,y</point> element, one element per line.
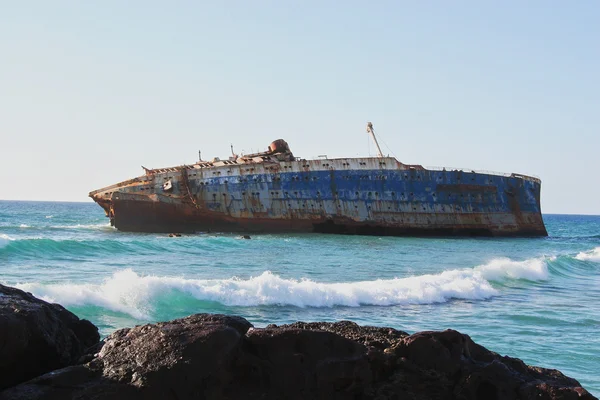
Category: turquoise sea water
<point>536,299</point>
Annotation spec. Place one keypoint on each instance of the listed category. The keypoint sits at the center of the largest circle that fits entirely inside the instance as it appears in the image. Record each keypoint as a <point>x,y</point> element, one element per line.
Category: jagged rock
<point>222,357</point>
<point>370,336</point>
<point>37,337</point>
<point>305,364</point>
<point>450,365</point>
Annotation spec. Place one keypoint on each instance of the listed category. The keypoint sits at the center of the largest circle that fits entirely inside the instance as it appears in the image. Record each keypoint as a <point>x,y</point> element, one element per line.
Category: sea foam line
<point>592,255</point>
<point>126,291</point>
<point>83,226</point>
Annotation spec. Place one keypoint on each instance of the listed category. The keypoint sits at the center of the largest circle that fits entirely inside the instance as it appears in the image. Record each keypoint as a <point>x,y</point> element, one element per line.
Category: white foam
<point>130,293</point>
<point>533,269</point>
<point>104,225</point>
<point>126,291</point>
<point>24,226</point>
<point>4,240</point>
<point>592,255</point>
<point>49,216</point>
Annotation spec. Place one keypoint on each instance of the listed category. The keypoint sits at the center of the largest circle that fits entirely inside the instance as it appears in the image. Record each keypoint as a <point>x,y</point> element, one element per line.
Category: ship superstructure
<point>274,191</point>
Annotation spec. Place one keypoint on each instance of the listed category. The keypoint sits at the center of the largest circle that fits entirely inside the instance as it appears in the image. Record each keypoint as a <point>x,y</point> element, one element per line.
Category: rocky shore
<point>46,352</point>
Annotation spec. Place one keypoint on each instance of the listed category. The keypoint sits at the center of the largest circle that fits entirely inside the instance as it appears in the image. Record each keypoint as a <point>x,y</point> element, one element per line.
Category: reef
<point>211,356</point>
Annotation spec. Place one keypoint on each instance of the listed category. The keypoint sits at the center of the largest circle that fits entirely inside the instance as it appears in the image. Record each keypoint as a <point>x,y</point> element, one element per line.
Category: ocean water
<point>536,299</point>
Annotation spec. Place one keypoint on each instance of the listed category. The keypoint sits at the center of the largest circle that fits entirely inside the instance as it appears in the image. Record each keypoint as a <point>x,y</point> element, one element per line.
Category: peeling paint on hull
<point>378,196</point>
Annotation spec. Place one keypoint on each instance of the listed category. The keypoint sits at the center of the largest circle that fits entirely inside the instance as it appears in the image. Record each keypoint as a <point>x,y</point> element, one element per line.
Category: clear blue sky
<point>90,91</point>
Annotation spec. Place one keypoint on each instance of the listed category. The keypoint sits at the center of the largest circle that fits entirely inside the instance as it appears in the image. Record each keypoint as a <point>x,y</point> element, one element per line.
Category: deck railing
<point>476,171</point>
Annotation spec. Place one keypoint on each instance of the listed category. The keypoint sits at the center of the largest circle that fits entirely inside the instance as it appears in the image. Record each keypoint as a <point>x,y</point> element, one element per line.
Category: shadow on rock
<point>37,337</point>
<point>208,356</point>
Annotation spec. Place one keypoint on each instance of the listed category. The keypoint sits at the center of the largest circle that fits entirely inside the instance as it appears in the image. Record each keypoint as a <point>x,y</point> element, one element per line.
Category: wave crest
<point>126,291</point>
<point>533,269</point>
<point>592,255</point>
<point>4,240</point>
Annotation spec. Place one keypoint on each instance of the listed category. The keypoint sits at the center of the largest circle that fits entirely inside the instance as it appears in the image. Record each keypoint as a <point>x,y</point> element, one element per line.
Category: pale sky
<point>90,91</point>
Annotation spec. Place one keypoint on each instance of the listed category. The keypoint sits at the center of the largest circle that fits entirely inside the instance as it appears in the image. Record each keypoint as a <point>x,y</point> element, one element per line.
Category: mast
<point>371,131</point>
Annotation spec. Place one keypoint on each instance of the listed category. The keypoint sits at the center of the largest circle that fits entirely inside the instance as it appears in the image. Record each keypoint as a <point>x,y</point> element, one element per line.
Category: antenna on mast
<point>371,131</point>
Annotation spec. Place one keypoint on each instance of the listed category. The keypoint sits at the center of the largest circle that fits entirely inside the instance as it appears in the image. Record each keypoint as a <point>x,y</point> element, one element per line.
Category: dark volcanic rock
<point>219,357</point>
<point>188,358</point>
<point>369,336</point>
<point>450,365</point>
<point>37,337</point>
<point>305,364</point>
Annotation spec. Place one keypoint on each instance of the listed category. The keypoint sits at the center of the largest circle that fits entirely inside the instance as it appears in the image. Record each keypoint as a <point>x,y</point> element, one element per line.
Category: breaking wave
<point>592,255</point>
<point>4,240</point>
<point>139,296</point>
<point>534,269</point>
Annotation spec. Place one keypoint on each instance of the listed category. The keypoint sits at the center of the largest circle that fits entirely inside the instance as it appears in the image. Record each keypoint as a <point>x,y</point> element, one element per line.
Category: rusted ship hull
<point>145,216</point>
<point>378,196</point>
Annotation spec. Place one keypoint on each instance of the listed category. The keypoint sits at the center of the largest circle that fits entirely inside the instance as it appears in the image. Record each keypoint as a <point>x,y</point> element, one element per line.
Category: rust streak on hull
<point>144,215</point>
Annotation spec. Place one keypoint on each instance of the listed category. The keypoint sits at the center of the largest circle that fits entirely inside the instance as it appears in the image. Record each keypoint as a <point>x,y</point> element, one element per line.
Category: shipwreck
<point>274,191</point>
